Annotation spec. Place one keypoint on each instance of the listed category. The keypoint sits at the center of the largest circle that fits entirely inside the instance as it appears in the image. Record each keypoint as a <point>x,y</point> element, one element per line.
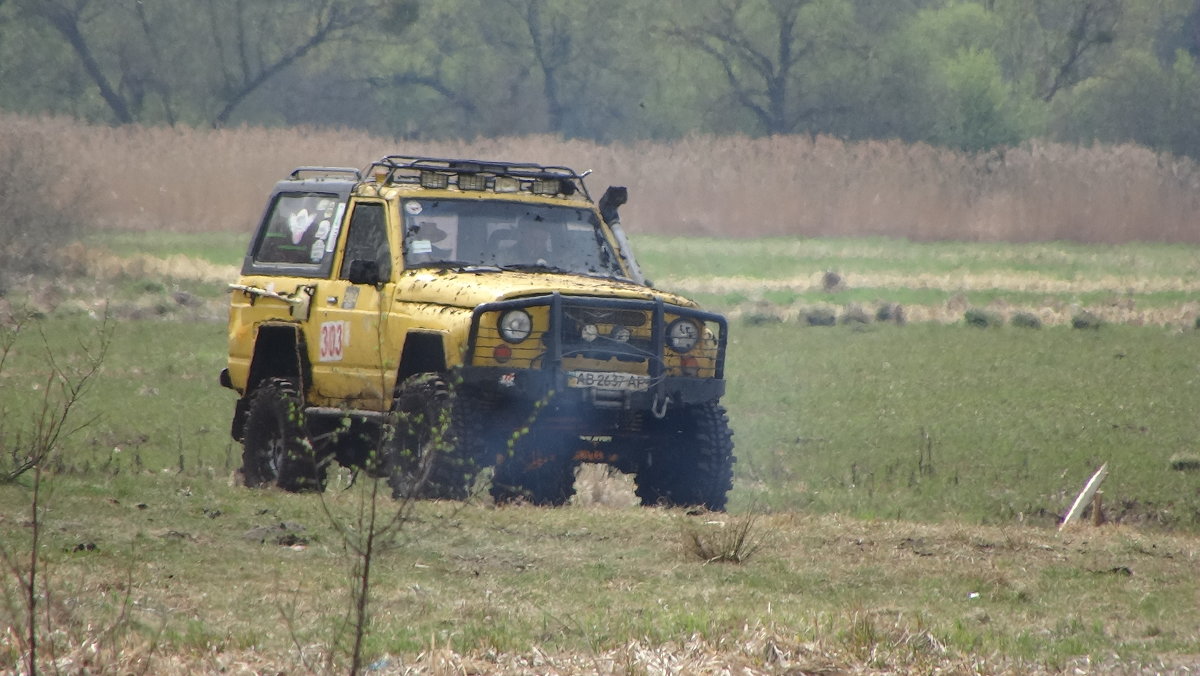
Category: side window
<point>367,239</point>
<point>300,230</point>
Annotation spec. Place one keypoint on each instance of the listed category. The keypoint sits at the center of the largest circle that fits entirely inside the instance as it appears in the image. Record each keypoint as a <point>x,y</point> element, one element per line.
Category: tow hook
<point>660,412</point>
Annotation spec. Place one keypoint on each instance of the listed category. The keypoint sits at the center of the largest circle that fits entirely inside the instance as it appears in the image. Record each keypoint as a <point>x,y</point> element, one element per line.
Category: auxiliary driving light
<point>682,335</point>
<point>546,186</point>
<point>433,179</point>
<point>515,325</point>
<point>506,184</point>
<point>589,332</point>
<point>620,334</point>
<point>472,182</point>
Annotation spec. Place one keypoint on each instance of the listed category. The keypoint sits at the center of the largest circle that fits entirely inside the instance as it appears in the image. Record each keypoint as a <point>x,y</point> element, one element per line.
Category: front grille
<point>609,316</point>
<point>568,315</point>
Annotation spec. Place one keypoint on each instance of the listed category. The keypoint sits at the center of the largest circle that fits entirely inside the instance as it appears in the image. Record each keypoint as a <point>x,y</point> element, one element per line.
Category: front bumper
<point>536,384</point>
<point>558,350</point>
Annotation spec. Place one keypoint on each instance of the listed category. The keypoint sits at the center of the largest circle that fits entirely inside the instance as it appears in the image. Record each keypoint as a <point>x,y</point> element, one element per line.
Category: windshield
<point>506,235</point>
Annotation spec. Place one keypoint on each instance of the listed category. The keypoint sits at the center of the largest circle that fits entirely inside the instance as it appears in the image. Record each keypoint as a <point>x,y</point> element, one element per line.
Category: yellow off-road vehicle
<point>427,318</point>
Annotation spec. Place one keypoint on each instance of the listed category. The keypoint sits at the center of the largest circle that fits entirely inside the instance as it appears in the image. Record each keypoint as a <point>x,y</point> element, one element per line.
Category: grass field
<point>905,480</point>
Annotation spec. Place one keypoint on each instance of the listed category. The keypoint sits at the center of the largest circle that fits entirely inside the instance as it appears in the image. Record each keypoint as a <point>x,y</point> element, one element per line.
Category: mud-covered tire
<point>690,459</point>
<point>434,447</point>
<point>539,471</point>
<point>276,449</point>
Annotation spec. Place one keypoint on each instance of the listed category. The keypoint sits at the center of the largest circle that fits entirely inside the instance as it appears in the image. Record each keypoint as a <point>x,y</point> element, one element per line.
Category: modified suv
<point>427,318</point>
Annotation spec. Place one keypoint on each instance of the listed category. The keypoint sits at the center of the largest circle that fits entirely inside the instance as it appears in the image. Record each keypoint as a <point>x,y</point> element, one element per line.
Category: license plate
<point>627,382</point>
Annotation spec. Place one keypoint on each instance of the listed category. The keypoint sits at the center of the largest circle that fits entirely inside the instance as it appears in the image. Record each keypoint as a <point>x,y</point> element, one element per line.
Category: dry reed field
<point>193,180</point>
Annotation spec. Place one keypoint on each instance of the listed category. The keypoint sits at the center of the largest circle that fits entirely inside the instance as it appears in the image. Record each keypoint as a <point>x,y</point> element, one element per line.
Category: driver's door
<point>348,328</point>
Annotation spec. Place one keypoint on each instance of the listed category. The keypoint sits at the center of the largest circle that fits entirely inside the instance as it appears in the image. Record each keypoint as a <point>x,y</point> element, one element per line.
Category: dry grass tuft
<point>602,485</point>
<point>733,540</point>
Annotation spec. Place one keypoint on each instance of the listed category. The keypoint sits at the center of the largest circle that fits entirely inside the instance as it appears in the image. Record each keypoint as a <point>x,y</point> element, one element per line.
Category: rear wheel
<point>276,446</point>
<point>434,446</point>
<point>690,459</point>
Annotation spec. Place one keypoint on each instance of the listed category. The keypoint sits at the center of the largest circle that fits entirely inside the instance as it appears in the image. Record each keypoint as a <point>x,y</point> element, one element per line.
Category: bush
<point>1026,320</point>
<point>890,312</point>
<point>37,214</point>
<point>819,316</point>
<point>1085,320</point>
<point>981,318</point>
<point>854,314</point>
<point>1185,462</point>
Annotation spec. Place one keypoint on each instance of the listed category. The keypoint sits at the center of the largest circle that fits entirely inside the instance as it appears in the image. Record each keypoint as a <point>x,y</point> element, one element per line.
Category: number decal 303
<point>335,336</point>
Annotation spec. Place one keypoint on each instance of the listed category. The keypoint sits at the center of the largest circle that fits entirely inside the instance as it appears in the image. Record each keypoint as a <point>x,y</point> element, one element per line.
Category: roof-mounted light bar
<point>477,175</point>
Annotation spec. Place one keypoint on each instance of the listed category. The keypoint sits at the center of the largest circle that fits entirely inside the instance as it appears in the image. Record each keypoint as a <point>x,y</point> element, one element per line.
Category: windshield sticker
<point>337,226</point>
<point>318,251</point>
<point>421,246</point>
<point>298,224</point>
<point>323,229</point>
<point>413,208</point>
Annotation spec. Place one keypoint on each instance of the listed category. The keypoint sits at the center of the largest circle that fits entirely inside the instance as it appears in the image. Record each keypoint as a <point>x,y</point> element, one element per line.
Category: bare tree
<point>764,48</point>
<point>1075,31</point>
<point>129,51</point>
<point>70,18</point>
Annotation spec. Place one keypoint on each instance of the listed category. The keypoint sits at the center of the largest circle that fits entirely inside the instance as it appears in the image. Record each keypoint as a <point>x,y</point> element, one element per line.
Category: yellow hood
<point>469,289</point>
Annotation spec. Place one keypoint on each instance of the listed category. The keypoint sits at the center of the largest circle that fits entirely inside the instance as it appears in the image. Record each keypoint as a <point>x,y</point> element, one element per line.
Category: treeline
<point>194,180</point>
<point>964,74</point>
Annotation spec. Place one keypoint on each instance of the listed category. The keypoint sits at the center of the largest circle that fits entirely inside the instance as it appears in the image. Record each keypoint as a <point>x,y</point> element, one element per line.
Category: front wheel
<point>276,446</point>
<point>538,470</point>
<point>433,448</point>
<point>690,459</point>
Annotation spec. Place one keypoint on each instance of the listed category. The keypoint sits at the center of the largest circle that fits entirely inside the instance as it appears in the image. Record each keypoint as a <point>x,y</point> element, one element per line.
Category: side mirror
<point>364,272</point>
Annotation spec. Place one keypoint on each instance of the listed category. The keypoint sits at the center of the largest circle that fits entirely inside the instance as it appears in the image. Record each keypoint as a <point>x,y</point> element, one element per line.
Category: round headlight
<point>682,335</point>
<point>515,325</point>
<point>620,334</point>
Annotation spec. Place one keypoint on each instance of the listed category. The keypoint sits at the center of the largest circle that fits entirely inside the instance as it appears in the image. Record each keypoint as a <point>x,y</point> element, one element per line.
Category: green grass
<point>224,248</point>
<point>909,477</point>
<point>771,258</point>
<point>589,581</point>
<point>827,420</point>
<point>832,420</point>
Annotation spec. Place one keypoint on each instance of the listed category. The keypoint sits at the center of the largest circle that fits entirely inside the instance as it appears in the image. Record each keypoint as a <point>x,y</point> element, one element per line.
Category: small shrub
<point>819,316</point>
<point>733,541</point>
<point>890,312</point>
<point>981,318</point>
<point>832,282</point>
<point>1185,462</point>
<point>854,314</point>
<point>1085,320</point>
<point>1026,320</point>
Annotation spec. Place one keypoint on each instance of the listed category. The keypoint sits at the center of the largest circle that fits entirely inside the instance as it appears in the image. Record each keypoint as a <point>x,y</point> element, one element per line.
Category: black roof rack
<point>326,171</point>
<point>407,169</point>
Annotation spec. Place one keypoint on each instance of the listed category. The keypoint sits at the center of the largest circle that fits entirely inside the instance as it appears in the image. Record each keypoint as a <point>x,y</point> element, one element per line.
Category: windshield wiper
<point>537,267</point>
<point>462,266</point>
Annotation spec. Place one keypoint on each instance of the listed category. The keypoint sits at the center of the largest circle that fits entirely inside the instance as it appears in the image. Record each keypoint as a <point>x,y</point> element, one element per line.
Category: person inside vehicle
<point>534,244</point>
<point>423,240</point>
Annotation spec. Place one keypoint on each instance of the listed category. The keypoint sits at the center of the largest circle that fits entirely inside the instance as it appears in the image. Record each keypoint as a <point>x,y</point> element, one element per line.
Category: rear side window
<point>300,232</point>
